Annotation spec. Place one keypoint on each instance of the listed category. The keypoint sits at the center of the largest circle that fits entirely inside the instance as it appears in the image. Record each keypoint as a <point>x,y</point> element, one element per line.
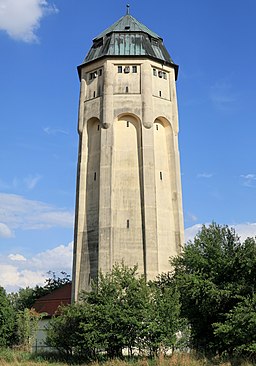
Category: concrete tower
<point>129,204</point>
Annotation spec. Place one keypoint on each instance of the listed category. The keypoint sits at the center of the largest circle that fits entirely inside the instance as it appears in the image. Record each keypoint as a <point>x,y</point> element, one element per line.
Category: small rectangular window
<point>154,72</point>
<point>127,123</point>
<point>157,127</point>
<point>93,75</point>
<point>94,175</point>
<point>160,93</point>
<point>94,94</point>
<point>126,89</point>
<point>134,69</point>
<point>119,69</point>
<point>161,175</point>
<point>98,127</point>
<point>164,75</point>
<point>128,224</point>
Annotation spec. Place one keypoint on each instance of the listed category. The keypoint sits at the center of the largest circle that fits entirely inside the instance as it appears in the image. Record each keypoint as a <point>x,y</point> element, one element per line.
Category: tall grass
<point>20,358</point>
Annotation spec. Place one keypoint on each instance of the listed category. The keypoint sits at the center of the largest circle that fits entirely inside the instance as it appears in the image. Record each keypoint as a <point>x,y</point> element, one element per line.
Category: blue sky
<point>42,42</point>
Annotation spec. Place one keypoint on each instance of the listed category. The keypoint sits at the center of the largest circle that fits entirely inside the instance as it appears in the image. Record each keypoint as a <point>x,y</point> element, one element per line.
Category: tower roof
<point>128,37</point>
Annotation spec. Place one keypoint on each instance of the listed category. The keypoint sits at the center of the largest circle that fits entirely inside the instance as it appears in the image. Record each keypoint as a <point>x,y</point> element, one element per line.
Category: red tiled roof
<point>49,303</point>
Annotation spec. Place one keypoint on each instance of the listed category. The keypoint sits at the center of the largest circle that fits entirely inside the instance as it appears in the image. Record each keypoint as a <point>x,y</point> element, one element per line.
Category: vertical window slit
<point>95,175</point>
<point>94,94</point>
<point>128,224</point>
<point>126,89</point>
<point>98,127</point>
<point>160,93</point>
<point>127,123</point>
<point>161,175</point>
<point>157,127</point>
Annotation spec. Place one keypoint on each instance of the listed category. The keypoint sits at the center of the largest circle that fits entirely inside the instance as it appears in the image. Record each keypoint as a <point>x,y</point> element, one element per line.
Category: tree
<point>7,321</point>
<point>26,326</point>
<point>120,300</point>
<point>236,335</point>
<point>214,274</point>
<point>121,312</point>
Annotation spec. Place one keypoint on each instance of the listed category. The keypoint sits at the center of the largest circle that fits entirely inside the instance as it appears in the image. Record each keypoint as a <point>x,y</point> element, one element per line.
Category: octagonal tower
<point>128,202</point>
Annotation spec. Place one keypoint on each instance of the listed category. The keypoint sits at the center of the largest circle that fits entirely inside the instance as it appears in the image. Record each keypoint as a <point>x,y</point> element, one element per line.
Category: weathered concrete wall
<point>129,202</point>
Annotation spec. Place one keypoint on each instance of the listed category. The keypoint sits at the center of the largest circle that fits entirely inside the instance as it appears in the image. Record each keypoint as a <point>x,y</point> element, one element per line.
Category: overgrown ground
<point>15,358</point>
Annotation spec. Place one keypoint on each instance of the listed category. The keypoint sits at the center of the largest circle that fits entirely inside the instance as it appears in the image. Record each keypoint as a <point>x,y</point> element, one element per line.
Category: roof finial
<point>128,9</point>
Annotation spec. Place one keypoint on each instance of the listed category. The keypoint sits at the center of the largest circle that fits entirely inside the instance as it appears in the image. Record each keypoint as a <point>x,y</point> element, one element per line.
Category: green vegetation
<point>216,277</point>
<point>121,312</point>
<point>18,322</point>
<point>206,303</point>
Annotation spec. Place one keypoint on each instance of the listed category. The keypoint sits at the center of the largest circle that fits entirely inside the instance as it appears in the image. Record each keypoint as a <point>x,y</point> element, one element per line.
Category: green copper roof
<point>127,23</point>
<point>128,37</point>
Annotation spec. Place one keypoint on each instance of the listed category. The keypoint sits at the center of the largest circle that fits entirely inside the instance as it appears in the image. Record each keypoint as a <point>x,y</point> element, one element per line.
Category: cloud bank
<point>243,230</point>
<point>16,271</point>
<point>20,19</point>
<point>17,212</point>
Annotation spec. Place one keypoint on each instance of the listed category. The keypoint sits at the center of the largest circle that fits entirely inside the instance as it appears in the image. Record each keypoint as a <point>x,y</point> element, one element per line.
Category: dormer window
<point>127,27</point>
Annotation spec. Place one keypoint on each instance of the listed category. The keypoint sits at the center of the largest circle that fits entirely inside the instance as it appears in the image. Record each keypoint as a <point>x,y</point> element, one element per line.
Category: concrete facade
<point>129,200</point>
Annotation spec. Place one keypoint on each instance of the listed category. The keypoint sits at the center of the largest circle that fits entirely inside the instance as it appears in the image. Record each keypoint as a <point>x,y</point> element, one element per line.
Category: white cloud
<point>191,232</point>
<point>242,230</point>
<point>5,231</point>
<point>54,131</point>
<point>16,271</point>
<point>12,278</point>
<point>249,180</point>
<point>16,257</point>
<point>222,95</point>
<point>204,175</point>
<point>56,259</point>
<point>20,19</point>
<point>17,212</point>
<point>31,181</point>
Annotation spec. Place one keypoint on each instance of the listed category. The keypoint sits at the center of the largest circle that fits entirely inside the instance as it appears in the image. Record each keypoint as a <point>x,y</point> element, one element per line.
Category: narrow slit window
<point>160,93</point>
<point>98,127</point>
<point>89,279</point>
<point>127,123</point>
<point>94,94</point>
<point>95,175</point>
<point>119,69</point>
<point>128,224</point>
<point>161,176</point>
<point>126,89</point>
<point>156,127</point>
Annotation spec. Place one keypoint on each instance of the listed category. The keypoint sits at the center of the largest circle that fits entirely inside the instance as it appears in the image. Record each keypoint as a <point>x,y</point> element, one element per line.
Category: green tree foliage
<point>237,334</point>
<point>121,311</point>
<point>214,274</point>
<point>26,326</point>
<point>7,321</point>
